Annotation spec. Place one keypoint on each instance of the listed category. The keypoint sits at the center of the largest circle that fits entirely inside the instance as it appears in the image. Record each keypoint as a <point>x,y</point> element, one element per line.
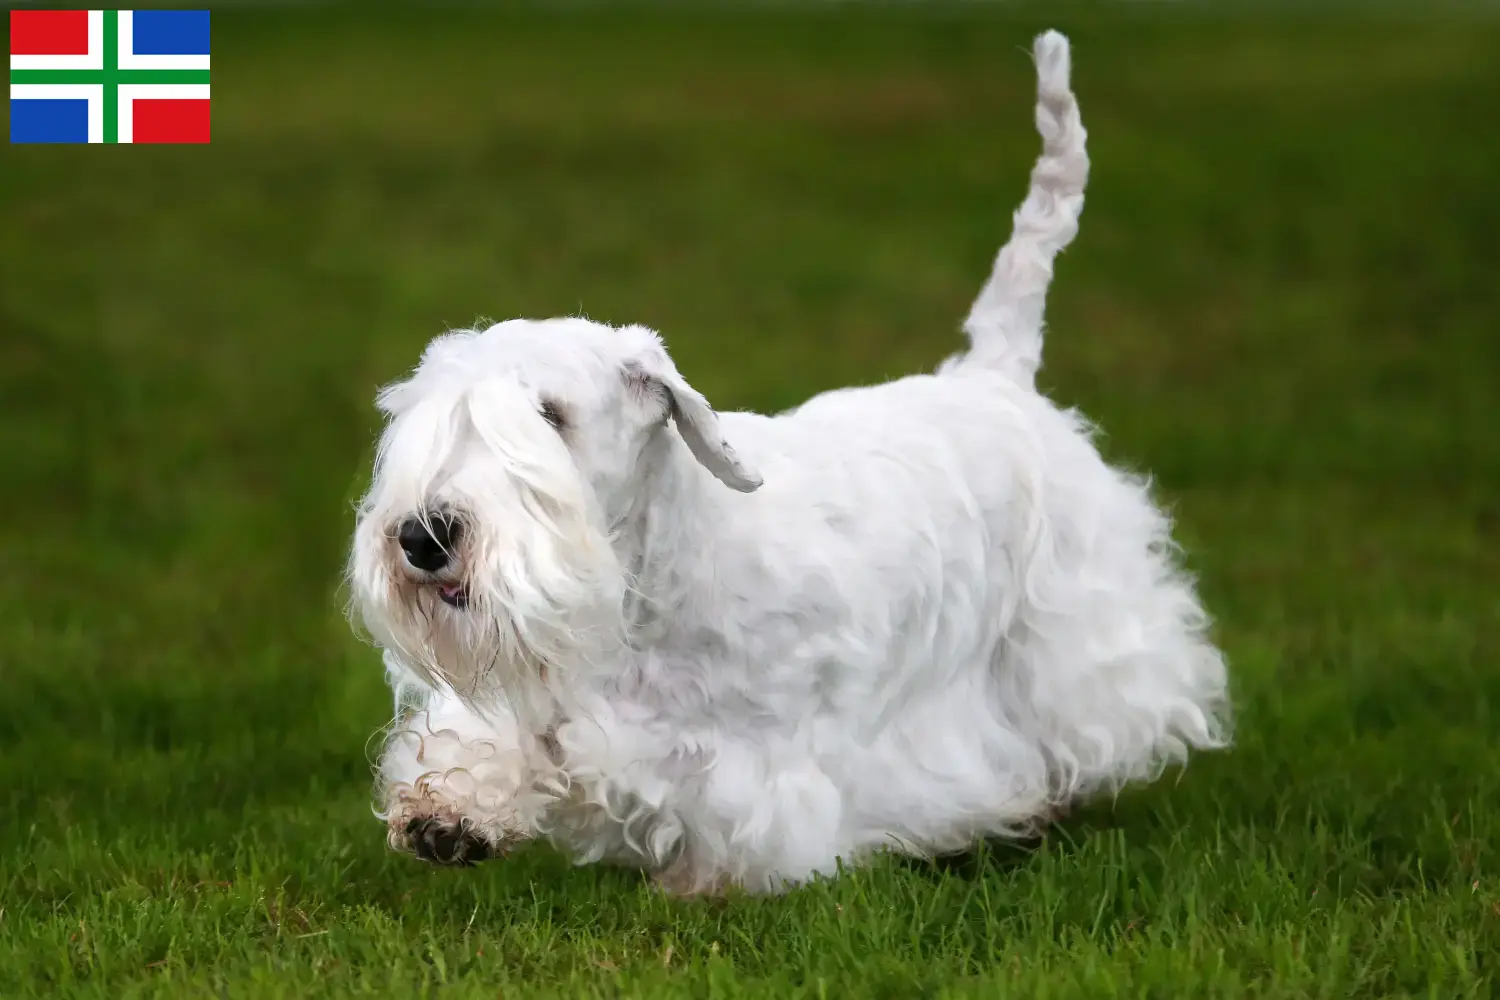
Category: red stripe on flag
<point>49,32</point>
<point>161,119</point>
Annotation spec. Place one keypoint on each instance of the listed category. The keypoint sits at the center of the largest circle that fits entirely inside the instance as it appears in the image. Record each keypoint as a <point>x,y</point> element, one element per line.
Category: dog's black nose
<point>428,545</point>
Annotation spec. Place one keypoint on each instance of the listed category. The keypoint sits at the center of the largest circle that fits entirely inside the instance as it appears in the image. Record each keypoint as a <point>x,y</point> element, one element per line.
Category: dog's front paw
<point>443,837</point>
<point>444,842</point>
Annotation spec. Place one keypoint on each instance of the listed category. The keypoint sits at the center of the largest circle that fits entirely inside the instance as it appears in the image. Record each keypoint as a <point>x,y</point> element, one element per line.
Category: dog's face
<point>484,551</point>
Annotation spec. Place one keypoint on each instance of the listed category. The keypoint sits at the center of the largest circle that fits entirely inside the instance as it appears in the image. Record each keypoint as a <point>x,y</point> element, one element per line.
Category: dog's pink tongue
<point>450,590</point>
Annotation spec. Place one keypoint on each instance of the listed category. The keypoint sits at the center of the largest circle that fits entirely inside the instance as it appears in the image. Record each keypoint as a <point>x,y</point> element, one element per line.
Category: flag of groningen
<point>108,76</point>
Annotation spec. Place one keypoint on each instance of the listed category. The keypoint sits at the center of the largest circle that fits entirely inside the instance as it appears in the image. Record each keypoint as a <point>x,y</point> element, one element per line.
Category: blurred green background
<point>1283,303</point>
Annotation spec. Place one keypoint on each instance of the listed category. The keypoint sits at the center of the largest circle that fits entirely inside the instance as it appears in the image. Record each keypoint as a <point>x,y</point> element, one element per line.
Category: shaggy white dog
<point>735,649</point>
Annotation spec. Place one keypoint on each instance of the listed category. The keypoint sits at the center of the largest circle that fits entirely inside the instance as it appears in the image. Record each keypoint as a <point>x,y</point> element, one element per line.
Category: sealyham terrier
<point>739,650</point>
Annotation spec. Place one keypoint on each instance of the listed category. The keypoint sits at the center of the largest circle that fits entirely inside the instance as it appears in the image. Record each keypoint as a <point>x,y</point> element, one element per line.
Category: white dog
<point>734,649</point>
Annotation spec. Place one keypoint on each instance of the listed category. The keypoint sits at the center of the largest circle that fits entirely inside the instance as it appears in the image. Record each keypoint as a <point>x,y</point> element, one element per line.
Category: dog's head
<point>484,552</point>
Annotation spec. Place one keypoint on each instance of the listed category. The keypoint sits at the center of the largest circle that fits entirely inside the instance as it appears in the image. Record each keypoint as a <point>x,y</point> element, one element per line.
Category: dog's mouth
<point>455,595</point>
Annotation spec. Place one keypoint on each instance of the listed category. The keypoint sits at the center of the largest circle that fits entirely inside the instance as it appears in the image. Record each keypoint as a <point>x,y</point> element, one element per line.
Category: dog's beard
<point>517,621</point>
<point>447,636</point>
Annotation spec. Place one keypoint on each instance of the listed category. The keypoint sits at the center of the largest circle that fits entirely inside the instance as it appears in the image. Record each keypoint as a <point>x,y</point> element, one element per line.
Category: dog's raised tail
<point>1005,322</point>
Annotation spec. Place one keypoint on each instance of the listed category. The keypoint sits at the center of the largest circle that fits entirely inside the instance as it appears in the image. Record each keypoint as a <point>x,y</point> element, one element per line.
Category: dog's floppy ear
<point>696,420</point>
<point>699,426</point>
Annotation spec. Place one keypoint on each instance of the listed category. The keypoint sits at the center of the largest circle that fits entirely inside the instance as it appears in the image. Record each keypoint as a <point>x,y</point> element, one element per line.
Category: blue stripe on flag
<point>170,32</point>
<point>49,120</point>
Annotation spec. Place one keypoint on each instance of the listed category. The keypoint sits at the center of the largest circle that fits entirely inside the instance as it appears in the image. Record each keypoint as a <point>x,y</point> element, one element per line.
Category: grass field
<point>1283,302</point>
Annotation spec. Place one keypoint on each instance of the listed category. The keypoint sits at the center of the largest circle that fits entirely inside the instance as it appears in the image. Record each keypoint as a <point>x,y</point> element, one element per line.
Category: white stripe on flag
<point>91,92</point>
<point>94,60</point>
<point>162,91</point>
<point>129,60</point>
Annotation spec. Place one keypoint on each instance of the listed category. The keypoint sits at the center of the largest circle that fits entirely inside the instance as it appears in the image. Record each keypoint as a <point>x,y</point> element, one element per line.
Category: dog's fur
<point>735,649</point>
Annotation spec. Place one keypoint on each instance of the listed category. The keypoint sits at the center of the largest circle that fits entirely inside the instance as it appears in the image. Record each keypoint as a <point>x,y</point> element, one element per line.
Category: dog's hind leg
<point>1005,323</point>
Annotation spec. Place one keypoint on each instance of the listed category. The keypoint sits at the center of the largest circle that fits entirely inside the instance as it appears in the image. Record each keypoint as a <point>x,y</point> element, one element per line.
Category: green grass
<point>1283,302</point>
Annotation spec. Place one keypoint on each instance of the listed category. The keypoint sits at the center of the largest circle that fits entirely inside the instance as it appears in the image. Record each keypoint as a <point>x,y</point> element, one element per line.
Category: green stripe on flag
<point>119,76</point>
<point>111,76</point>
<point>111,67</point>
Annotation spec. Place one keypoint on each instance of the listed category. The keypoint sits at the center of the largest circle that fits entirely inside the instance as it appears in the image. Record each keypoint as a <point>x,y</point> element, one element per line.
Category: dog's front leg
<point>707,808</point>
<point>457,785</point>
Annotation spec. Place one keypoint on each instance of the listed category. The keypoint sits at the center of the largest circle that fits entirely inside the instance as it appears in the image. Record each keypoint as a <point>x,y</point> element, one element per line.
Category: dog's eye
<point>552,412</point>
